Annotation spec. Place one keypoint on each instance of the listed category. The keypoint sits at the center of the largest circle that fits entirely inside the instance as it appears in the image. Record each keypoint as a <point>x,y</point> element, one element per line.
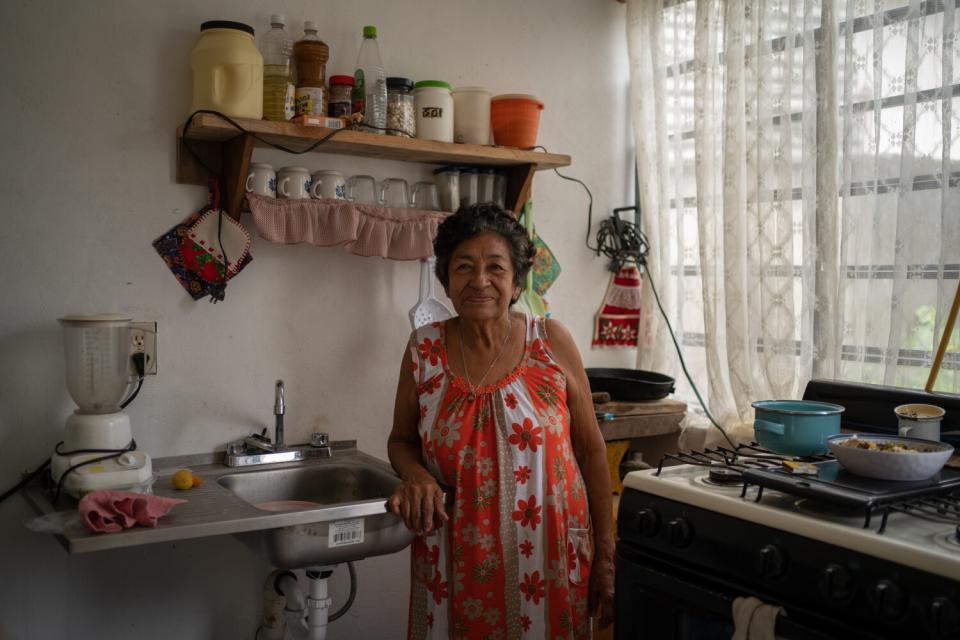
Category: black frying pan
<point>630,385</point>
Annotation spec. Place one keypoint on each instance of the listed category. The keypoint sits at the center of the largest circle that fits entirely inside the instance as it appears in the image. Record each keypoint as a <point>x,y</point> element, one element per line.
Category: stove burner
<point>724,477</point>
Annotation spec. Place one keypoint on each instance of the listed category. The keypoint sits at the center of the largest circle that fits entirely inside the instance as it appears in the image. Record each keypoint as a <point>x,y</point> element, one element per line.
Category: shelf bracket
<point>235,160</point>
<point>519,187</point>
<point>230,158</point>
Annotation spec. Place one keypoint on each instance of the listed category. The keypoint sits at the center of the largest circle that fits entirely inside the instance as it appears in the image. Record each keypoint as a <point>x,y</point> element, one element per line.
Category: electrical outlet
<point>143,337</point>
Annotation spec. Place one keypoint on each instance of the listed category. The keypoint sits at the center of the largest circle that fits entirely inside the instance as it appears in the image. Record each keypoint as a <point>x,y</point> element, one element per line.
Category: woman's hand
<point>419,503</point>
<point>600,598</point>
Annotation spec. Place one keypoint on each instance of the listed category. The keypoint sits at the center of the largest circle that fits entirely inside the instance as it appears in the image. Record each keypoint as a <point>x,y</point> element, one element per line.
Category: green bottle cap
<point>369,31</point>
<point>432,83</point>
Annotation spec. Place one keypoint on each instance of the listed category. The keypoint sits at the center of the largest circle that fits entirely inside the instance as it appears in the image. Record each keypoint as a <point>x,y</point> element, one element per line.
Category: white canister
<point>227,70</point>
<point>293,183</point>
<point>262,180</point>
<point>434,107</point>
<point>328,184</point>
<point>471,115</point>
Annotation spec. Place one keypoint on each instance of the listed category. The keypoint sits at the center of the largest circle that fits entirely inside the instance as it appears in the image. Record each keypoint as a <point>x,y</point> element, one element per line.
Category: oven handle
<point>716,596</point>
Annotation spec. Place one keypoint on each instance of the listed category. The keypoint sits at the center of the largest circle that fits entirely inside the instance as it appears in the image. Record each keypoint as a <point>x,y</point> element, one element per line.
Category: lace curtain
<point>800,180</point>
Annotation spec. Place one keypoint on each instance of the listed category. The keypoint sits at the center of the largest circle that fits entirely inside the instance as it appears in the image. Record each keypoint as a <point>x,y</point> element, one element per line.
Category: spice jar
<point>341,91</point>
<point>434,108</point>
<point>400,111</point>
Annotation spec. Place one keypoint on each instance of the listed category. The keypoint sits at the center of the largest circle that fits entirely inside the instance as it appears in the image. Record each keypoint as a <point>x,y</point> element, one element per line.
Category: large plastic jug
<point>227,70</point>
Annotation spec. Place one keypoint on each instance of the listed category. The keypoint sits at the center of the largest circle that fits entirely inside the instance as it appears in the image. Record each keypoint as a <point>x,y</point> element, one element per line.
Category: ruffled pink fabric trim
<point>364,230</point>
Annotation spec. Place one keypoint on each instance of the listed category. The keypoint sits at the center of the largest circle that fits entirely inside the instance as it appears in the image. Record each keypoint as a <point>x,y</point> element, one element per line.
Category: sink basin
<point>348,500</point>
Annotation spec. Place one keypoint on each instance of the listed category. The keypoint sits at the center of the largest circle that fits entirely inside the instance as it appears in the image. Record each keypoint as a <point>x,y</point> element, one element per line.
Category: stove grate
<point>938,508</point>
<point>745,456</point>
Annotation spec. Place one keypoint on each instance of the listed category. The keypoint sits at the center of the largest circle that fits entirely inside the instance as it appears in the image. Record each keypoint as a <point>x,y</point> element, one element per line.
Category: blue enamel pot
<point>796,427</point>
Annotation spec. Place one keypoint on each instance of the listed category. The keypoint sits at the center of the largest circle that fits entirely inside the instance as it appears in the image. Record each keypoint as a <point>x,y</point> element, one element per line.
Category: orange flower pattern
<point>500,568</point>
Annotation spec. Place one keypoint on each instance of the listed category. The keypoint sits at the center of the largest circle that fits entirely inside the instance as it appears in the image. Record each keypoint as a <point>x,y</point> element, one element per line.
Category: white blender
<point>98,450</point>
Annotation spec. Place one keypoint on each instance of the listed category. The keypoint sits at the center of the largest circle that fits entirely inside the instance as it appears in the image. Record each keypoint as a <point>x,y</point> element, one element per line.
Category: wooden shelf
<point>226,150</point>
<point>210,128</point>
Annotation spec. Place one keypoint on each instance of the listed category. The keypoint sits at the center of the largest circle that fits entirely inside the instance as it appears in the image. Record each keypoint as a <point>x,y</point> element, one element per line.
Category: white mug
<point>293,183</point>
<point>262,180</point>
<point>919,421</point>
<point>328,184</point>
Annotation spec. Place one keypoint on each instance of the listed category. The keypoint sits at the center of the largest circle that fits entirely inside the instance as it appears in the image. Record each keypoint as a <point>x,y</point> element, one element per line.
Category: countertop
<point>210,509</point>
<point>640,419</point>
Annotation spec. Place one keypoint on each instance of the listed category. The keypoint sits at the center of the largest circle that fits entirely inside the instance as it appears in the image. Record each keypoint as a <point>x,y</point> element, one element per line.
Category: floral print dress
<point>514,559</point>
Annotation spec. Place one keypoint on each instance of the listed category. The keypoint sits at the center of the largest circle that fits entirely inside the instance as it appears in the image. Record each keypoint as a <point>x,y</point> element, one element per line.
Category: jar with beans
<point>401,120</point>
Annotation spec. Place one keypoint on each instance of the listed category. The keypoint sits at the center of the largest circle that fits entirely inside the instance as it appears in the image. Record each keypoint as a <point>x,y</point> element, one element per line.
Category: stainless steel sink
<point>347,498</point>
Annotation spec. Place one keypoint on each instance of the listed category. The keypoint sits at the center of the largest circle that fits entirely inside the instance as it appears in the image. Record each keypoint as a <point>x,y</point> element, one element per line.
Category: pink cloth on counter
<point>109,511</point>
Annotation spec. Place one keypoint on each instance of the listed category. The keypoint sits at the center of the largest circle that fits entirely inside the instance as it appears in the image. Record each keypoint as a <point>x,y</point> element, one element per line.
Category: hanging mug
<point>362,189</point>
<point>424,196</point>
<point>293,183</point>
<point>395,193</point>
<point>262,180</point>
<point>328,184</point>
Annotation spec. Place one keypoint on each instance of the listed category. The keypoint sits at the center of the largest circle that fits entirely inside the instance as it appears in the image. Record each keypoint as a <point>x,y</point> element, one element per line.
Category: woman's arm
<point>591,454</point>
<point>418,499</point>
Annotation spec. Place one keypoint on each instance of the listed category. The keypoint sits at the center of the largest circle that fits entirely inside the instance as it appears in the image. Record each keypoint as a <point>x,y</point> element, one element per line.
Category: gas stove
<point>695,536</point>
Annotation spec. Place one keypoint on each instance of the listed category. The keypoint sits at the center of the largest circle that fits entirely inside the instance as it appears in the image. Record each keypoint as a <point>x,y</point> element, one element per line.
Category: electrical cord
<point>30,476</point>
<point>623,242</point>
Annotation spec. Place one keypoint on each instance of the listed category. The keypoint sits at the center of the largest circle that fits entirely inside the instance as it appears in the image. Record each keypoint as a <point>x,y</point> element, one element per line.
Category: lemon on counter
<point>182,480</point>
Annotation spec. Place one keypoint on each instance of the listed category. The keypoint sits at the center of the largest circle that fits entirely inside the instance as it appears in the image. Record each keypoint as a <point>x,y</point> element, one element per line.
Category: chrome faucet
<point>257,448</point>
<point>279,408</point>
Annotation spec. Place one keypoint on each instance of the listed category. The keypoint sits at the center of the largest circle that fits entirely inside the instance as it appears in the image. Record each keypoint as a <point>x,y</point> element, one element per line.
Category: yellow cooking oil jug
<point>227,70</point>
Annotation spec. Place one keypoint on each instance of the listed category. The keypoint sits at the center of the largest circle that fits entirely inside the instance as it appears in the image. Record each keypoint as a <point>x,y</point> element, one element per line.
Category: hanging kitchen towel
<point>207,249</point>
<point>532,301</point>
<point>546,268</point>
<point>754,619</point>
<point>618,321</point>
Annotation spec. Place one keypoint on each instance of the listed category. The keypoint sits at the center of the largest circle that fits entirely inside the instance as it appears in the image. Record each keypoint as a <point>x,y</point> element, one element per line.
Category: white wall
<point>92,93</point>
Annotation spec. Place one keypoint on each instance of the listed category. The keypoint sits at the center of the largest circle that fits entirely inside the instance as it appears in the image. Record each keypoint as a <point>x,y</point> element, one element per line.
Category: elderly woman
<point>494,413</point>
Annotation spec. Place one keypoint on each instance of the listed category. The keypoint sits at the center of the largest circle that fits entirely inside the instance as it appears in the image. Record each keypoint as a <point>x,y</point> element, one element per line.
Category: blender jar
<point>98,359</point>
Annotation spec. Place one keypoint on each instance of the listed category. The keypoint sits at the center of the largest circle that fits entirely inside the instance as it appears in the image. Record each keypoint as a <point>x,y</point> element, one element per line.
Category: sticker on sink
<point>344,532</point>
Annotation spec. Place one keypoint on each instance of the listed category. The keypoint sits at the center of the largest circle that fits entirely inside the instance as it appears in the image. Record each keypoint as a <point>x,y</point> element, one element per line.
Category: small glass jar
<point>469,186</point>
<point>341,92</point>
<point>401,118</point>
<point>500,190</point>
<point>485,185</point>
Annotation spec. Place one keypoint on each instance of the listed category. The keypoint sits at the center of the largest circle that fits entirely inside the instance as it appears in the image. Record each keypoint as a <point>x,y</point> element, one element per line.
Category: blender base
<point>131,471</point>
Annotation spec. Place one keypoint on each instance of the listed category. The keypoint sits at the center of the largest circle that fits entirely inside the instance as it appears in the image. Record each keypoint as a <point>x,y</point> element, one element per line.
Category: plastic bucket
<point>515,119</point>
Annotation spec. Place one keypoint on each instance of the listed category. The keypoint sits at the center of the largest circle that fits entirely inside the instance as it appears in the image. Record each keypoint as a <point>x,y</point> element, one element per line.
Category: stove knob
<point>945,617</point>
<point>888,600</point>
<point>647,522</point>
<point>771,562</point>
<point>836,582</point>
<point>681,532</point>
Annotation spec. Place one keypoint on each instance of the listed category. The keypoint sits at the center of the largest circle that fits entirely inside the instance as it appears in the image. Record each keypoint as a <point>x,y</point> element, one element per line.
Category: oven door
<point>664,601</point>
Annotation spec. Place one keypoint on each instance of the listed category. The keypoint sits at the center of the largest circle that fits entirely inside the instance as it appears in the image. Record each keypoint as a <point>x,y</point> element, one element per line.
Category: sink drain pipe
<point>281,594</point>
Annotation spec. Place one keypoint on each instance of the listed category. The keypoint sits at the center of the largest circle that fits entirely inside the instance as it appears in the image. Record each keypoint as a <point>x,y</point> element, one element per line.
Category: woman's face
<point>480,277</point>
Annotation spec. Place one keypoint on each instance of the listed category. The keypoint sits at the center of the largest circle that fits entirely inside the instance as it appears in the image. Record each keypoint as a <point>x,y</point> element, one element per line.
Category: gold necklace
<point>463,358</point>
